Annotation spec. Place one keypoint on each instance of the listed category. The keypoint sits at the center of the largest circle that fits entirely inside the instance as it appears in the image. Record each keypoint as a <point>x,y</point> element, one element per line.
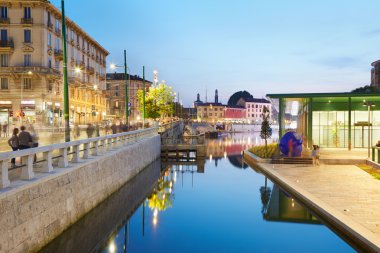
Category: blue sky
<point>272,46</point>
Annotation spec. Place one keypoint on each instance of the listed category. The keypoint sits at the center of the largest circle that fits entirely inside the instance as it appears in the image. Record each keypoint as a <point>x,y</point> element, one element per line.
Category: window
<point>3,12</point>
<point>56,25</point>
<point>4,83</point>
<point>27,60</point>
<point>57,65</point>
<point>27,83</point>
<point>27,13</point>
<point>4,60</point>
<point>72,35</point>
<point>57,43</point>
<point>49,62</point>
<point>50,87</point>
<point>117,104</point>
<point>49,40</point>
<point>57,89</point>
<point>49,18</point>
<point>4,35</point>
<point>27,36</point>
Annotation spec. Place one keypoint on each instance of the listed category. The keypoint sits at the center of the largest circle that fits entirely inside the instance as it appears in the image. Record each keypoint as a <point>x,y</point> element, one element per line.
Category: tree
<point>366,89</point>
<point>158,101</point>
<point>266,131</point>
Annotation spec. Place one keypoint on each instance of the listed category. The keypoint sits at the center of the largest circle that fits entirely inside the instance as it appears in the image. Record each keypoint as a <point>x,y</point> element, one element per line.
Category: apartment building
<point>254,108</point>
<point>31,64</point>
<point>116,96</point>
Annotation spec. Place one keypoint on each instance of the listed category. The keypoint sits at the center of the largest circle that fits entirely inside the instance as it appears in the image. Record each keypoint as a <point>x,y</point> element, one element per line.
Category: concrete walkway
<point>345,195</point>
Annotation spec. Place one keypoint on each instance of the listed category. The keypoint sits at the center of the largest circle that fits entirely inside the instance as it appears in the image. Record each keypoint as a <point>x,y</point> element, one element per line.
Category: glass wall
<point>330,129</point>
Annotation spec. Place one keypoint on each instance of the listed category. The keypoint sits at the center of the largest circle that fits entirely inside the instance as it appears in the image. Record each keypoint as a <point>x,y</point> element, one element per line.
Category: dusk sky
<point>262,46</point>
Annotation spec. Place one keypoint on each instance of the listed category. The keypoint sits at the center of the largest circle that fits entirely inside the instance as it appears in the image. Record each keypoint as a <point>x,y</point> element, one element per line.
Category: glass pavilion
<point>333,120</point>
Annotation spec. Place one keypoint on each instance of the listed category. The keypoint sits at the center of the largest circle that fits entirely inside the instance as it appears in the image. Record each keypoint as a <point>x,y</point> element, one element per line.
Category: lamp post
<point>369,105</point>
<point>143,97</point>
<point>126,77</point>
<point>66,106</point>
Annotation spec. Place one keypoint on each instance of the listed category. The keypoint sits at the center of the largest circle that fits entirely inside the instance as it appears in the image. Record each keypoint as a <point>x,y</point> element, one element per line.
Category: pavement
<point>344,195</point>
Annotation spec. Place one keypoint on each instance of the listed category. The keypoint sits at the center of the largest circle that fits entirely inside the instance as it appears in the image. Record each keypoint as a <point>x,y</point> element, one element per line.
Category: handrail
<point>99,145</point>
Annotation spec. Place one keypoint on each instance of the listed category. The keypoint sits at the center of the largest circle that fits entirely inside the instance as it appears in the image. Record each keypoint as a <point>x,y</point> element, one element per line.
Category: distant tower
<point>216,96</point>
<point>198,97</point>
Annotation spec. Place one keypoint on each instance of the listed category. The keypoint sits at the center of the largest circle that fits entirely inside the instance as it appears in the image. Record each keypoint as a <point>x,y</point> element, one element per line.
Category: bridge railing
<point>66,153</point>
<point>167,126</point>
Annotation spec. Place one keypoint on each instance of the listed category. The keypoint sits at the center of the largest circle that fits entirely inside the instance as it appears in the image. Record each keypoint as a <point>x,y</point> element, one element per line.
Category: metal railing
<point>376,155</point>
<point>76,150</point>
<point>7,43</point>
<point>184,140</point>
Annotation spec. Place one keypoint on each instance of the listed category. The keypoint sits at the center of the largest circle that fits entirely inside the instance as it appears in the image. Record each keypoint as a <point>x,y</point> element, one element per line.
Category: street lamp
<point>113,66</point>
<point>369,105</point>
<point>66,107</point>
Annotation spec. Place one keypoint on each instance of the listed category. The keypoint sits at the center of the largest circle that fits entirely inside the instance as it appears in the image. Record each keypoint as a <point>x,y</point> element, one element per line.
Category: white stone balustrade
<point>90,147</point>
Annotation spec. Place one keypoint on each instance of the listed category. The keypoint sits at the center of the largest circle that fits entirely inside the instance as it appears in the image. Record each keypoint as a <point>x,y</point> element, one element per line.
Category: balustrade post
<point>86,151</point>
<point>4,178</point>
<point>95,150</point>
<point>63,161</point>
<point>76,151</point>
<point>104,145</point>
<point>27,171</point>
<point>47,165</point>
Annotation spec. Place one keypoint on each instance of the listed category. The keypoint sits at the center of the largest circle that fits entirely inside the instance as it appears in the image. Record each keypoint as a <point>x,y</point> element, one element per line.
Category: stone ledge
<point>36,212</point>
<point>355,232</point>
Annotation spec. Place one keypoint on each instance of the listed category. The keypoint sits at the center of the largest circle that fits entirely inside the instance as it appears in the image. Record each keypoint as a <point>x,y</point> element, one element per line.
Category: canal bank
<point>35,212</point>
<point>344,196</point>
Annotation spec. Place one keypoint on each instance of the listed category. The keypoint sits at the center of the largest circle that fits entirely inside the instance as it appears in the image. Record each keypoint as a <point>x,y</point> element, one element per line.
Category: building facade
<point>254,108</point>
<point>116,96</point>
<point>210,112</point>
<point>234,114</point>
<point>31,64</point>
<point>375,74</point>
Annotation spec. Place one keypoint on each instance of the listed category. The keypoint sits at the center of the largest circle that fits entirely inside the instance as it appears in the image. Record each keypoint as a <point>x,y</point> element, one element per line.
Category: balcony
<point>36,70</point>
<point>4,21</point>
<point>102,77</point>
<point>50,26</point>
<point>58,53</point>
<point>6,46</point>
<point>27,21</point>
<point>58,32</point>
<point>90,70</point>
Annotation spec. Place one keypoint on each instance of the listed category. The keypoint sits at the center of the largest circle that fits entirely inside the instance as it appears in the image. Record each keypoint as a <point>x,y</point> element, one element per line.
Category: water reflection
<point>224,209</point>
<point>231,146</point>
<point>279,206</point>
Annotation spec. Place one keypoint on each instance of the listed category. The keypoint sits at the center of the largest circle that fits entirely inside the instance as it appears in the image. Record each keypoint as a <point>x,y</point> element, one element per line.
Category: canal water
<point>216,205</point>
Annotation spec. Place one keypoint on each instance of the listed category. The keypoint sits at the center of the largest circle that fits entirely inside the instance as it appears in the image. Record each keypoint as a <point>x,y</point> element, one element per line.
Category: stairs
<point>293,160</point>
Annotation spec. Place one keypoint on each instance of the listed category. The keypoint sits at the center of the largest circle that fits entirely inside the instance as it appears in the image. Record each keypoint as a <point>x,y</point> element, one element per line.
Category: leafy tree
<point>366,89</point>
<point>266,131</point>
<point>158,101</point>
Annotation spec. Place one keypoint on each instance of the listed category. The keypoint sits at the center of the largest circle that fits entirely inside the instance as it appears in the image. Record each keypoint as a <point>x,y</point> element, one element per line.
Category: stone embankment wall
<point>34,214</point>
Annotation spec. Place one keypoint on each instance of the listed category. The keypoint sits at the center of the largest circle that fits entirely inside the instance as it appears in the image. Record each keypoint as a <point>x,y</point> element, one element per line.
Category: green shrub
<point>263,152</point>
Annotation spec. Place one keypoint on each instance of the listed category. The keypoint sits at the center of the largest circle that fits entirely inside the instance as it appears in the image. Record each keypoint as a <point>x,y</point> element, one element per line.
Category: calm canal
<point>219,205</point>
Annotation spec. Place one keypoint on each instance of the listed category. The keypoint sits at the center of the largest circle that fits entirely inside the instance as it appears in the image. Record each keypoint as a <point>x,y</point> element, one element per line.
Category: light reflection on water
<point>220,206</point>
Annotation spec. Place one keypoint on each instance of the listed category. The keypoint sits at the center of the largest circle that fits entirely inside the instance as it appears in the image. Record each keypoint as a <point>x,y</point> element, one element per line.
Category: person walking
<point>90,130</point>
<point>25,139</point>
<point>5,129</point>
<point>13,142</point>
<point>97,130</point>
<point>114,128</point>
<point>315,155</point>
